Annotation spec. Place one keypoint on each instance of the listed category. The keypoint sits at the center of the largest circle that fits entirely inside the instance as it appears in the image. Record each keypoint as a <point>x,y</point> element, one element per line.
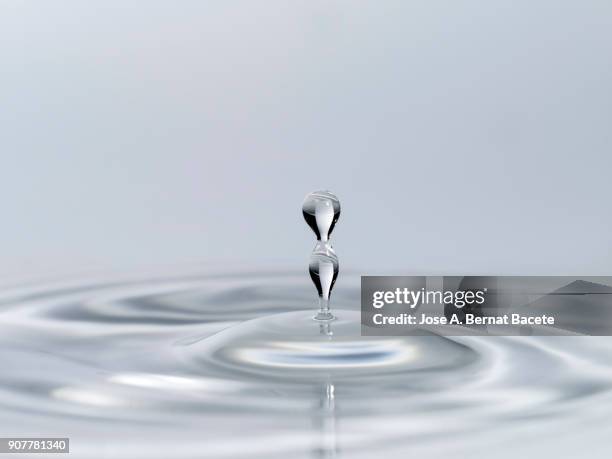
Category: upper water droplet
<point>321,211</point>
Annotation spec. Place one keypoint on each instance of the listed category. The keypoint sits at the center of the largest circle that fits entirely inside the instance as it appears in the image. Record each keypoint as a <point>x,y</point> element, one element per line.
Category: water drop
<point>321,210</point>
<point>323,270</point>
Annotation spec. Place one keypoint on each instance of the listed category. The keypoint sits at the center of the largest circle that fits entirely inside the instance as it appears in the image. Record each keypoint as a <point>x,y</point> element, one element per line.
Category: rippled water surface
<point>201,365</point>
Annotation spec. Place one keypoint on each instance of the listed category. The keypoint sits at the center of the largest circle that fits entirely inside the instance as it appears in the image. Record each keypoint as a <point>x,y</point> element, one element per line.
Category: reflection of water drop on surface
<point>325,422</point>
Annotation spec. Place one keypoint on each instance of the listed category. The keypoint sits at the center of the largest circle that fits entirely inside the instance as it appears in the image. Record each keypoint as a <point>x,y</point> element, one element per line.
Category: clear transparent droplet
<point>323,268</point>
<point>321,210</point>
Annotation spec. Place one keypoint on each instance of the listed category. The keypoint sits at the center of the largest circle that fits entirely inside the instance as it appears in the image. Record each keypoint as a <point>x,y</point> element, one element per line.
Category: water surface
<point>168,366</point>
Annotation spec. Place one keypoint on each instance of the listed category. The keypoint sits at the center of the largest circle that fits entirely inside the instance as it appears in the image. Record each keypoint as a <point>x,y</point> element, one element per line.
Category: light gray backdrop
<point>462,137</point>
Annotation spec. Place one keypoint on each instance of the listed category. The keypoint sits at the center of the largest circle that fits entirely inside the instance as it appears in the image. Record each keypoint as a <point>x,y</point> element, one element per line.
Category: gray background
<point>462,137</point>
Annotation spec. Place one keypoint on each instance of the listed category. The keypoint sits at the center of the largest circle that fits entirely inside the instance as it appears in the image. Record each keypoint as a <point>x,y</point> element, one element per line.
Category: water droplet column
<point>321,210</point>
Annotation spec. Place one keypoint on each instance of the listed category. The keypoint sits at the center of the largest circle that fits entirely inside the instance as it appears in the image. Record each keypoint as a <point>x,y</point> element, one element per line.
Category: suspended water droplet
<point>321,210</point>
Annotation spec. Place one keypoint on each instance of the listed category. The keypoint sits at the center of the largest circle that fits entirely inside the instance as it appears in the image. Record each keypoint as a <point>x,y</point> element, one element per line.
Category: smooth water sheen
<point>200,365</point>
